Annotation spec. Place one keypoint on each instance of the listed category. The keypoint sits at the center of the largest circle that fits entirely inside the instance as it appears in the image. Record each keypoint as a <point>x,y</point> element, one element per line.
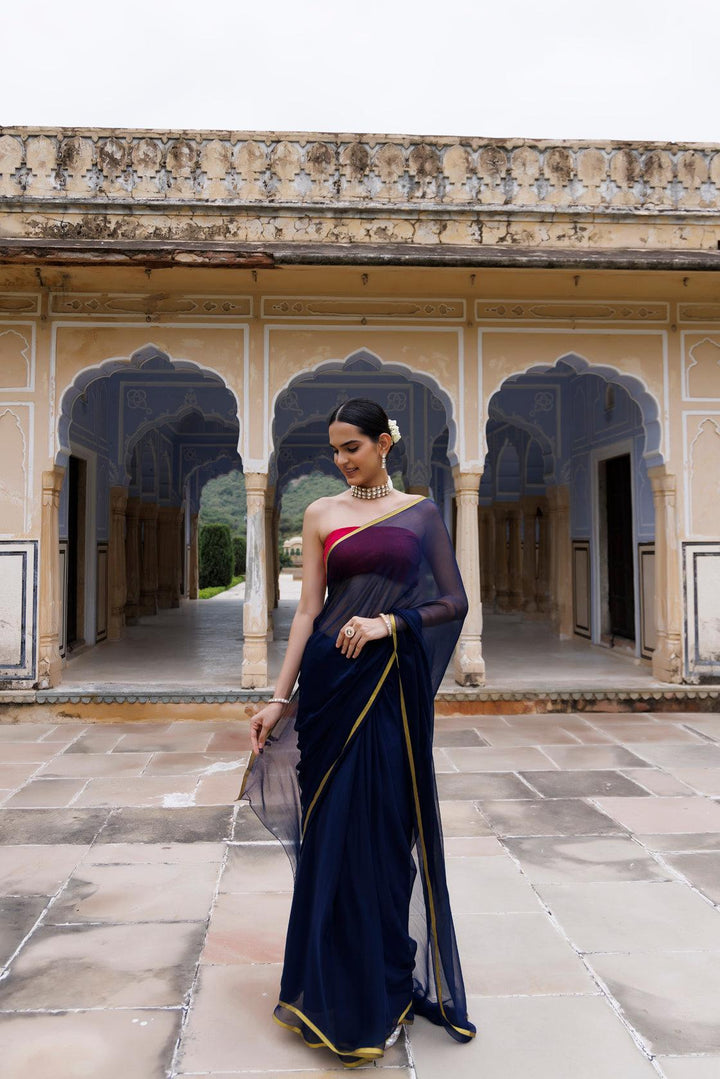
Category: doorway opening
<point>616,550</point>
<point>76,529</point>
<point>566,506</point>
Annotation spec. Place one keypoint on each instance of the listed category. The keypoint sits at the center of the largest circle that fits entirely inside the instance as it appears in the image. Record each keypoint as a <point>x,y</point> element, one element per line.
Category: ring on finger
<point>349,631</point>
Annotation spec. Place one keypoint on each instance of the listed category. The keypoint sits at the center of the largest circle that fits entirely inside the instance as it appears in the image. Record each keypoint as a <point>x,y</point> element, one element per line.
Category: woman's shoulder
<point>425,504</point>
<point>321,506</point>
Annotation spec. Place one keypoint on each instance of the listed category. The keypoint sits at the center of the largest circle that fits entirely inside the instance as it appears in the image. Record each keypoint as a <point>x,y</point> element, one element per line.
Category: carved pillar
<point>255,607</point>
<point>117,584</point>
<point>502,580</point>
<point>560,560</point>
<point>179,557</point>
<point>542,595</point>
<point>529,557</point>
<point>269,554</point>
<point>167,552</point>
<point>193,572</point>
<point>469,662</point>
<point>132,560</point>
<point>149,567</point>
<point>486,524</point>
<point>49,661</point>
<point>276,553</point>
<point>515,577</point>
<point>667,657</point>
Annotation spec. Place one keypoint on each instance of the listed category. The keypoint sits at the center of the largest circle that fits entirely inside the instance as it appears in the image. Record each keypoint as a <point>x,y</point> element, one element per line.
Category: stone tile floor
<point>143,910</point>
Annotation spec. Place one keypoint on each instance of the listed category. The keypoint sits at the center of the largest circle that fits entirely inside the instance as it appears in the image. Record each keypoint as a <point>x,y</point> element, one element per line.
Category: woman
<point>345,779</point>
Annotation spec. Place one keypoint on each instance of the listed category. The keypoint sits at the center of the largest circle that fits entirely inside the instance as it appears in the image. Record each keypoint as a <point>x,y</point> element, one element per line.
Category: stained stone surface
<point>670,999</point>
<point>550,816</point>
<point>144,937</point>
<point>581,784</point>
<point>567,859</point>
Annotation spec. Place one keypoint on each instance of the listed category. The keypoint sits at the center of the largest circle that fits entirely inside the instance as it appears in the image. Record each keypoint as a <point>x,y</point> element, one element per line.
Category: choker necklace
<point>373,492</point>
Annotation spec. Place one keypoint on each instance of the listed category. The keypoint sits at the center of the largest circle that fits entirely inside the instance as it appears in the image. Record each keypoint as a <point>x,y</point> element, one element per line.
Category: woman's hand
<point>366,629</point>
<point>261,725</point>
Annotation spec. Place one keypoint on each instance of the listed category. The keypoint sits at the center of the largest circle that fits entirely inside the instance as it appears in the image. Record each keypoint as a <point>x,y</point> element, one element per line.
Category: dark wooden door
<point>621,584</point>
<point>71,604</point>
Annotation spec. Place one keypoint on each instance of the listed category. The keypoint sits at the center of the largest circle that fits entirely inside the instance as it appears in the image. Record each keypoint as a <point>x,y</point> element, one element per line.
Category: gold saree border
<point>421,839</point>
<point>360,528</point>
<point>353,731</point>
<point>375,521</point>
<point>366,1053</point>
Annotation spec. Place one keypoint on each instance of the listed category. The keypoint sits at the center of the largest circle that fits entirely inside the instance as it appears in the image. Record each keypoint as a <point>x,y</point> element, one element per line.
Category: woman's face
<point>355,454</point>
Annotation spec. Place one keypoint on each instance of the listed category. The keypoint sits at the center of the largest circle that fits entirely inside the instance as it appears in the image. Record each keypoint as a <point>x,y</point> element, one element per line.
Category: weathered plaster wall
<point>464,333</point>
<point>367,189</point>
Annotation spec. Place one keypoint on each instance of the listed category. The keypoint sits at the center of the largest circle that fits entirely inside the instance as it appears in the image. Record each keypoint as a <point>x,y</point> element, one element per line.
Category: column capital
<point>118,499</point>
<point>132,508</point>
<point>256,482</point>
<point>662,481</point>
<point>52,481</point>
<point>466,482</point>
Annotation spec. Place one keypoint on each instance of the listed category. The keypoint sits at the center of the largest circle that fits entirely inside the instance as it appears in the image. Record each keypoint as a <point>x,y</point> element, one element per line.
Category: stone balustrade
<point>230,168</point>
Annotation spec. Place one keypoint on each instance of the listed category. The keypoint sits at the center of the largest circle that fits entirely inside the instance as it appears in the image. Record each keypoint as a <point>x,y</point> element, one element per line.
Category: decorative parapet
<point>354,170</point>
<point>363,189</point>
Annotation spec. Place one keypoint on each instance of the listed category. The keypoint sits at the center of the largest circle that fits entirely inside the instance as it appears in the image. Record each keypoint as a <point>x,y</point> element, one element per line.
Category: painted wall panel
<point>702,595</point>
<point>18,606</point>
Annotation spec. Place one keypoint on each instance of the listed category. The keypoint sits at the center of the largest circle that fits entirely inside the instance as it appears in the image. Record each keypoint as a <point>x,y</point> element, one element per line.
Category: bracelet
<point>279,700</point>
<point>388,624</point>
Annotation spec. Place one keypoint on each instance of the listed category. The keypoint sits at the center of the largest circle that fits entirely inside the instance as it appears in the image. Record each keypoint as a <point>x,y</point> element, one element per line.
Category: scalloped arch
<point>634,386</point>
<point>373,361</point>
<point>141,358</point>
<point>162,421</point>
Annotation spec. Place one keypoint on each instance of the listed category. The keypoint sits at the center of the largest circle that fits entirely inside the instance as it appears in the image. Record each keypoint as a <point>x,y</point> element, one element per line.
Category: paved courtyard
<point>200,644</point>
<point>143,910</point>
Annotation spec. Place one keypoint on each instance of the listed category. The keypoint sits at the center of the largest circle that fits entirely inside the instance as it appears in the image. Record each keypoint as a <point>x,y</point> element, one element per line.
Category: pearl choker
<point>373,492</point>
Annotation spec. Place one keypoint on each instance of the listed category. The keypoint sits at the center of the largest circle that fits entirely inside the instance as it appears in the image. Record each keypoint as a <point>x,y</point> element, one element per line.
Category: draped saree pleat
<point>346,782</point>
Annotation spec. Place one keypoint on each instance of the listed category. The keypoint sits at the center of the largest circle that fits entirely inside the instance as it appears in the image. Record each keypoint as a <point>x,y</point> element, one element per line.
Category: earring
<point>383,458</point>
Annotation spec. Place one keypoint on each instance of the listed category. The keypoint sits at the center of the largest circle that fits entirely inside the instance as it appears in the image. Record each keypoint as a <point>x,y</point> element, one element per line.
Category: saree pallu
<point>346,782</point>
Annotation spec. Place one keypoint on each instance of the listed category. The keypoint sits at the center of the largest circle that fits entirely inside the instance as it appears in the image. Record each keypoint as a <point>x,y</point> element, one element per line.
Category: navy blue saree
<point>346,782</point>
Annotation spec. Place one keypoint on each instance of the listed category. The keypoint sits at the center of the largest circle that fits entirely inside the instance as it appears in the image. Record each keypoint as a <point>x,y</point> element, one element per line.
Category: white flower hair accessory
<point>394,431</point>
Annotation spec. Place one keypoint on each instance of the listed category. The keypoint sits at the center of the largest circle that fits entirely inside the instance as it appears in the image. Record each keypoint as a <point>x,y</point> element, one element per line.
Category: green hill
<point>223,501</point>
<point>298,496</point>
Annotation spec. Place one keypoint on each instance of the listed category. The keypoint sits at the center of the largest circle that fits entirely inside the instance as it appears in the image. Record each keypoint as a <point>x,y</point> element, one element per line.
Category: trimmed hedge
<point>215,556</point>
<point>239,555</point>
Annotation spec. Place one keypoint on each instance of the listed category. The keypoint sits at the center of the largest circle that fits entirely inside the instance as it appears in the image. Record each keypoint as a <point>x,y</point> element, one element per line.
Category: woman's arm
<point>450,601</point>
<point>309,606</point>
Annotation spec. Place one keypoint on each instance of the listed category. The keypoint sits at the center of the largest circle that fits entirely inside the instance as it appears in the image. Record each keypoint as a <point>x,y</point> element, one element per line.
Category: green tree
<point>223,502</point>
<point>215,556</point>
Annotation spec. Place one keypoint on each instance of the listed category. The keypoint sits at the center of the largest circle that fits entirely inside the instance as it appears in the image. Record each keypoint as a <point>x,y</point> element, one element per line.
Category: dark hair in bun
<point>368,416</point>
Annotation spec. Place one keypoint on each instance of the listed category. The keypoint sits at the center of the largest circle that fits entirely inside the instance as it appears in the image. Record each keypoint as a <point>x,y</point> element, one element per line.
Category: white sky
<point>592,69</point>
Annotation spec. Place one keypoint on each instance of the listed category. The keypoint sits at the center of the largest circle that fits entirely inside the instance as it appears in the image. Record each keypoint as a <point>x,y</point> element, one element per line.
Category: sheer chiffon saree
<point>346,782</point>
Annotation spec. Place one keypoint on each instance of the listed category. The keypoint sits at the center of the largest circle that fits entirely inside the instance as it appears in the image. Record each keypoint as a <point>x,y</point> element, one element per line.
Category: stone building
<point>541,318</point>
